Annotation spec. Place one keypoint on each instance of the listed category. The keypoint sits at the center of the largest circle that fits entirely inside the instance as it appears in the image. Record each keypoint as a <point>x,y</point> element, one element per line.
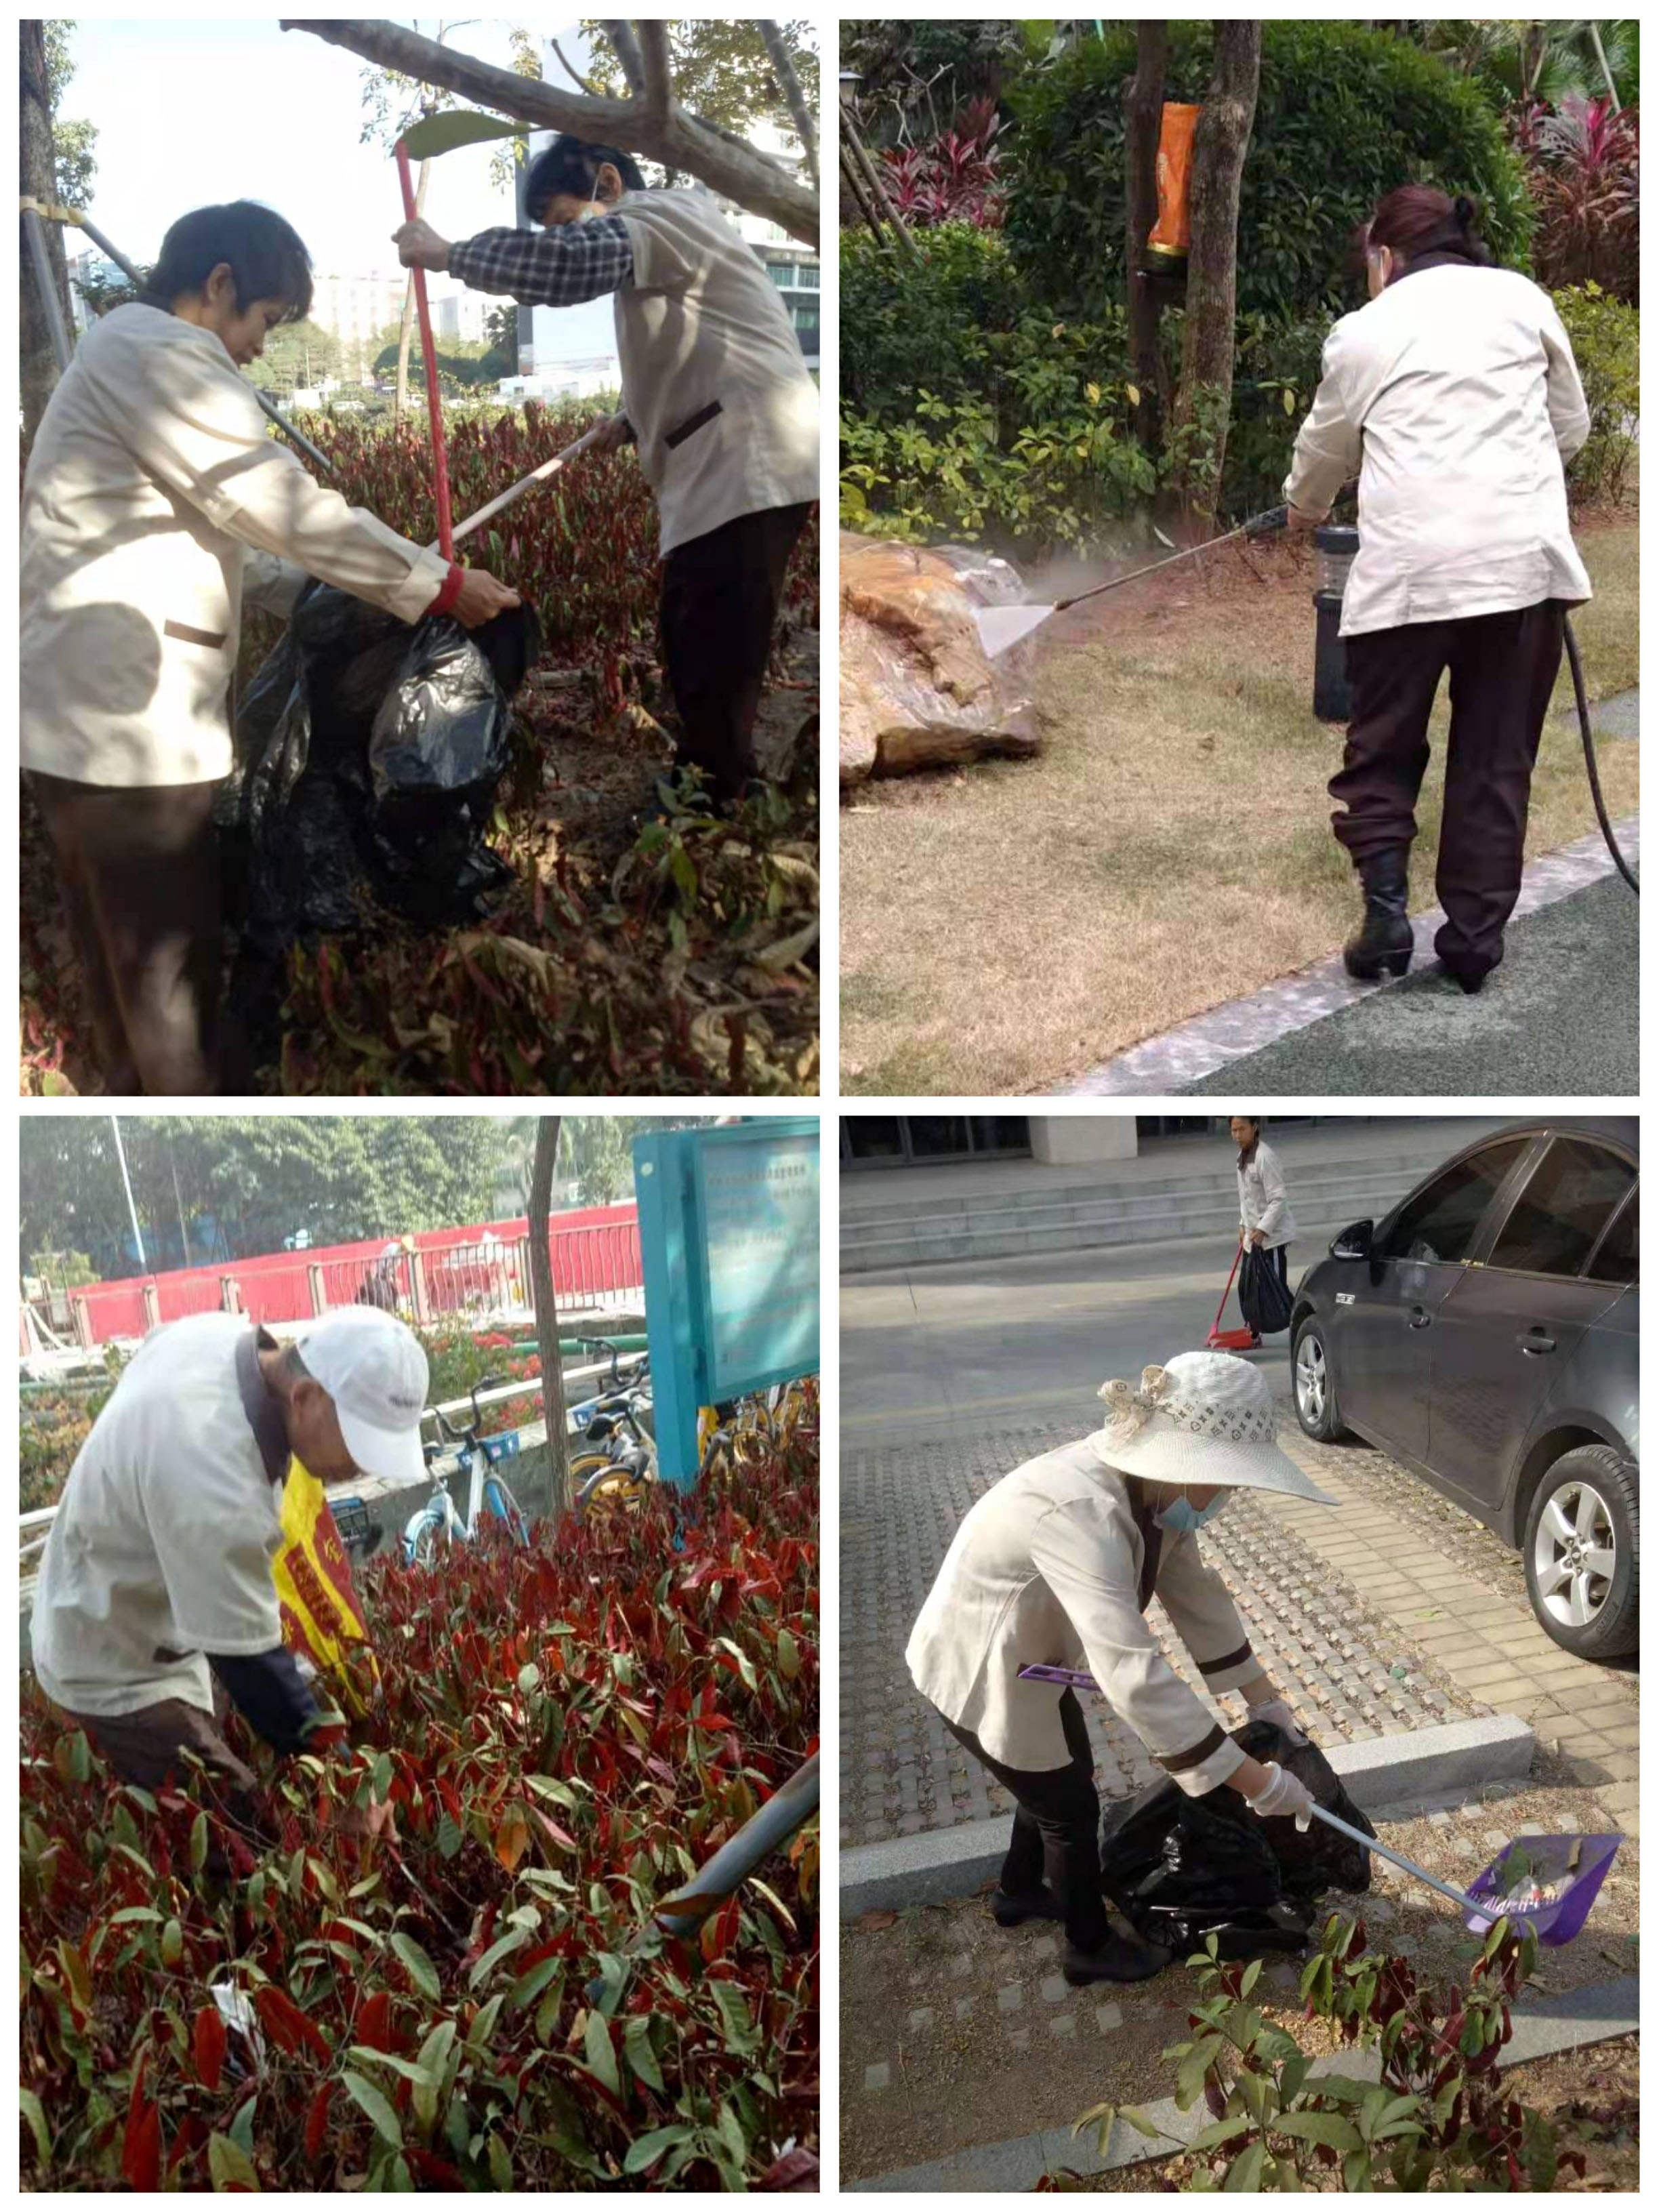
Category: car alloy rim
<point>1311,1378</point>
<point>1574,1554</point>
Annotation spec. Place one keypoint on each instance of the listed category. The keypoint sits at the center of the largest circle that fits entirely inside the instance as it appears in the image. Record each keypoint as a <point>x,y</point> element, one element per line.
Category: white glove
<point>1283,1794</point>
<point>1280,1713</point>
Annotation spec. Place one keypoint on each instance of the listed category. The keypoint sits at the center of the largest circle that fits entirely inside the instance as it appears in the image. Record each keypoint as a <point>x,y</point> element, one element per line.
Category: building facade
<point>911,1141</point>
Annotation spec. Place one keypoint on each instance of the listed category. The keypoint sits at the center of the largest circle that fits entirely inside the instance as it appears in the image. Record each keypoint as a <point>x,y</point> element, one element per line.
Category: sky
<point>191,112</point>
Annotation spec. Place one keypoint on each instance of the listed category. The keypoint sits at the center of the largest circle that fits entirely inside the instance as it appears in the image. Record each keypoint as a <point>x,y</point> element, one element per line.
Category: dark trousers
<point>1504,669</point>
<point>139,874</point>
<point>720,594</point>
<point>1056,1829</point>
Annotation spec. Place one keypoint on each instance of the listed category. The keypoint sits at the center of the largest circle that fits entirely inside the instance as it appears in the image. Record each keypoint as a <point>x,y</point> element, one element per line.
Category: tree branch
<point>658,92</point>
<point>677,140</point>
<point>575,74</point>
<point>547,1313</point>
<point>789,85</point>
<point>626,47</point>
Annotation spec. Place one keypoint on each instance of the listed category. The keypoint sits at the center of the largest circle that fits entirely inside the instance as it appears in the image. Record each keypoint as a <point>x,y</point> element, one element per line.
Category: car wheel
<point>1315,1386</point>
<point>1581,1549</point>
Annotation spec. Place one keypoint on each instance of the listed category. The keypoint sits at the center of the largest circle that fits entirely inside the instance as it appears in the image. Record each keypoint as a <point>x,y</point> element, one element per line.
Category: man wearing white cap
<point>1057,1566</point>
<point>157,1578</point>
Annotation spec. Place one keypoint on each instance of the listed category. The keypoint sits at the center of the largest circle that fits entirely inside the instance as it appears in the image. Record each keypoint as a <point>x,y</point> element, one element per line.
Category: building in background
<point>894,1140</point>
<point>355,310</point>
<point>90,269</point>
<point>459,317</point>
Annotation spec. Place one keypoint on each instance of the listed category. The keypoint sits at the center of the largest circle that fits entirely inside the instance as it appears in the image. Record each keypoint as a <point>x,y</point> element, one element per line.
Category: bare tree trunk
<point>1143,120</point>
<point>36,179</point>
<point>547,1314</point>
<point>406,328</point>
<point>626,47</point>
<point>1595,30</point>
<point>1204,397</point>
<point>677,140</point>
<point>794,99</point>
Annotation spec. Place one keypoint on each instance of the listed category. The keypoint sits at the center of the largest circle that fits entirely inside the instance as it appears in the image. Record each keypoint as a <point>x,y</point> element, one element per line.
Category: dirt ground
<point>1006,926</point>
<point>959,2083</point>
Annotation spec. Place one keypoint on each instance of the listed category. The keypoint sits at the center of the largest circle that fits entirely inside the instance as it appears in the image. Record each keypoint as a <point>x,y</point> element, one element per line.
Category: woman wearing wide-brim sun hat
<point>1056,1566</point>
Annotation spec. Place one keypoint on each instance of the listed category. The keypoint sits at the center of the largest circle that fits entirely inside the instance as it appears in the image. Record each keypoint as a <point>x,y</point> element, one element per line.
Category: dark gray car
<point>1484,1335</point>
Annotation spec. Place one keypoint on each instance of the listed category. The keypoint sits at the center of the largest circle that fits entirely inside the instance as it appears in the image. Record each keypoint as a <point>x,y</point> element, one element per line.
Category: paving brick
<point>1054,1988</point>
<point>1063,2024</point>
<point>921,2021</point>
<point>877,2077</point>
<point>961,2006</point>
<point>1107,2017</point>
<point>1010,1997</point>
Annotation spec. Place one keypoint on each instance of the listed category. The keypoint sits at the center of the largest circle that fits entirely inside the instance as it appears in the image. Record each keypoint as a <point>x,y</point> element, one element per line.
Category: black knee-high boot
<point>1382,943</point>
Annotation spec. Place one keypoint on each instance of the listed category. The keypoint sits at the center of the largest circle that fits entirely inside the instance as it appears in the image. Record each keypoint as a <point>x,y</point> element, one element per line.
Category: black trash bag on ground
<point>1264,1301</point>
<point>1181,1868</point>
<point>368,755</point>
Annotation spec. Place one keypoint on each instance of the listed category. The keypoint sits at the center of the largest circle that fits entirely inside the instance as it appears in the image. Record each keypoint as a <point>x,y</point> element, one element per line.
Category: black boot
<point>1383,943</point>
<point>1011,1911</point>
<point>1114,1961</point>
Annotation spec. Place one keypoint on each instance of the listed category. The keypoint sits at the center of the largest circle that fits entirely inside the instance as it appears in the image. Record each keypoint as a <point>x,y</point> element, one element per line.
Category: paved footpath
<point>1369,1626</point>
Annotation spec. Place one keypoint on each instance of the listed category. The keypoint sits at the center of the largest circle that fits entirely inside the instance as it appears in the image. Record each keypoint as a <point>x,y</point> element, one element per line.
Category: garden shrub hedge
<point>1344,115</point>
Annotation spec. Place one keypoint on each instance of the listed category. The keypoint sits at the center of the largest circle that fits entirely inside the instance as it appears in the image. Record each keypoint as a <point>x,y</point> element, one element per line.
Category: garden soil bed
<point>959,2082</point>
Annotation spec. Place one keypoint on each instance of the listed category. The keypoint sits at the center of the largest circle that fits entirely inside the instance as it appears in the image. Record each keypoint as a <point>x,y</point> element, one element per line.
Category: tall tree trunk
<point>36,179</point>
<point>547,1315</point>
<point>789,85</point>
<point>1143,120</point>
<point>1204,399</point>
<point>1595,30</point>
<point>406,329</point>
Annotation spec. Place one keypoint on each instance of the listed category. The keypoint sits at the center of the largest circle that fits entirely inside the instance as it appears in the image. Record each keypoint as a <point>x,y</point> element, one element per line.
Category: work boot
<point>1011,1911</point>
<point>1383,943</point>
<point>1114,1960</point>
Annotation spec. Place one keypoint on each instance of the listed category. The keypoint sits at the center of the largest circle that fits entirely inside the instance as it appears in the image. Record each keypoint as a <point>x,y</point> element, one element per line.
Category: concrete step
<point>1003,1223</point>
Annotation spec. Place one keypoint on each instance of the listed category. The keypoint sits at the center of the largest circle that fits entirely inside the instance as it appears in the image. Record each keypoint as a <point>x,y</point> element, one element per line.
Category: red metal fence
<point>479,1271</point>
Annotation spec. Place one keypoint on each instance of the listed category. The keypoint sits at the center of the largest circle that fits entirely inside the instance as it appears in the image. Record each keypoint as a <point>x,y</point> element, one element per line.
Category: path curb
<point>1553,2025</point>
<point>943,1865</point>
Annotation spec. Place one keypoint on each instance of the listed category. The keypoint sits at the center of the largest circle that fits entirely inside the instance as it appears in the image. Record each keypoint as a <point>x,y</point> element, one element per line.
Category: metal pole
<point>536,476</point>
<point>132,1211</point>
<point>52,306</point>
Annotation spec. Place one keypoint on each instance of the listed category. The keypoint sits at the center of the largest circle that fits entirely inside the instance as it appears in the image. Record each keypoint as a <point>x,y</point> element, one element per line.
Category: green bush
<point>970,413</point>
<point>1344,116</point>
<point>1606,343</point>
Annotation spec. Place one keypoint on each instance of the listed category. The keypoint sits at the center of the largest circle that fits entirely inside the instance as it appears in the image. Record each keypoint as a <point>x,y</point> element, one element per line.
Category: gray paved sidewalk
<point>1349,1670</point>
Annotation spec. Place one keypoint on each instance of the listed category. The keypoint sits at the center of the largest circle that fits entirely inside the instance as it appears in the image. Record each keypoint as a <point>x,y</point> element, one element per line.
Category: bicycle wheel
<point>500,1500</point>
<point>611,1486</point>
<point>428,1541</point>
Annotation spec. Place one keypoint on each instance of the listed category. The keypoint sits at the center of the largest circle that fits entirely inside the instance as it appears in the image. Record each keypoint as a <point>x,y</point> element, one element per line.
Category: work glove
<point>1281,1715</point>
<point>1283,1794</point>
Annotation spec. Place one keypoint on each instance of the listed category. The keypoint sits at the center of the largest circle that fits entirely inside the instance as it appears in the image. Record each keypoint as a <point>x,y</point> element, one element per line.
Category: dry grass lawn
<point>1006,925</point>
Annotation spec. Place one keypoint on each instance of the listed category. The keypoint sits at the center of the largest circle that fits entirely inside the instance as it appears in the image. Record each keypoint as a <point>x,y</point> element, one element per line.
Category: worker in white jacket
<point>715,394</point>
<point>1266,1222</point>
<point>1055,1566</point>
<point>1456,397</point>
<point>155,502</point>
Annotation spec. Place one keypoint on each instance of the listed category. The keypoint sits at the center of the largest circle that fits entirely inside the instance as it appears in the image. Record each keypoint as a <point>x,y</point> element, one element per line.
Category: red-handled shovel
<point>434,405</point>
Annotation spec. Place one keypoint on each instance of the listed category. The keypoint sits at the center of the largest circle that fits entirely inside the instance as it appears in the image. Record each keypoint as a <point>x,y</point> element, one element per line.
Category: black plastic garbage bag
<point>368,755</point>
<point>1181,1869</point>
<point>1265,1301</point>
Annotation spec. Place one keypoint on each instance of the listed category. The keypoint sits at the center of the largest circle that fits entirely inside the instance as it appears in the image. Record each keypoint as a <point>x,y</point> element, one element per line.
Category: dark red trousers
<point>1503,671</point>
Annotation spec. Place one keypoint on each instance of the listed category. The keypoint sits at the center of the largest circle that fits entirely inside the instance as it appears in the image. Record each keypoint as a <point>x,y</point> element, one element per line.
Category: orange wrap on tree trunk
<point>321,1616</point>
<point>1172,233</point>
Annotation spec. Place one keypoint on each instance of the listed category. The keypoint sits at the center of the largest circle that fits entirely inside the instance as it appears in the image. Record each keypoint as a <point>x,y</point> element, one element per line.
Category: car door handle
<point>1536,1341</point>
<point>1421,1317</point>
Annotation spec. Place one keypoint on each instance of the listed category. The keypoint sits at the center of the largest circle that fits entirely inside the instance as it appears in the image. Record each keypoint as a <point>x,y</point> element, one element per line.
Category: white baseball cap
<point>374,1370</point>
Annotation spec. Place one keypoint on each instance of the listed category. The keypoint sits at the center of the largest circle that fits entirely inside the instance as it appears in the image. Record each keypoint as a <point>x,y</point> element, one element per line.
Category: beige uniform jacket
<point>712,375</point>
<point>153,485</point>
<point>1454,397</point>
<point>1262,1203</point>
<point>1055,1565</point>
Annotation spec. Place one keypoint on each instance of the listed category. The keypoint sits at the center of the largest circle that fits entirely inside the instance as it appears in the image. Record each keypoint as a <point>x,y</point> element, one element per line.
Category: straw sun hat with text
<point>1206,1417</point>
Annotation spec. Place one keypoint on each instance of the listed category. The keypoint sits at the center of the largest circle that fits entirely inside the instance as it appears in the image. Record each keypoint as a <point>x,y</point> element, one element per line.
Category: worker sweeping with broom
<point>155,504</point>
<point>715,395</point>
<point>1061,1559</point>
<point>1456,396</point>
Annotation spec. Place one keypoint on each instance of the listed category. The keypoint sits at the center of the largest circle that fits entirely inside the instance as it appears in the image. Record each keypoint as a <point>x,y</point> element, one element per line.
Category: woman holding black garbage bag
<point>716,397</point>
<point>1055,1565</point>
<point>156,500</point>
<point>1265,1226</point>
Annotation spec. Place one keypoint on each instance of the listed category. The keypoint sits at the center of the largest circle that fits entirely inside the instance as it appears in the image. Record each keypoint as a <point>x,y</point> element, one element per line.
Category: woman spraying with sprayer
<point>1456,397</point>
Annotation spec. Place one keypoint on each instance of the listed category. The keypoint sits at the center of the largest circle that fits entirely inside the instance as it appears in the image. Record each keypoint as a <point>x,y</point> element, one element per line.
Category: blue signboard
<point>729,1234</point>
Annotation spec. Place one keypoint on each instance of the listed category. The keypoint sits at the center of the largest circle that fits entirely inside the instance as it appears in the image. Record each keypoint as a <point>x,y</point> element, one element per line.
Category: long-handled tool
<point>524,483</point>
<point>434,402</point>
<point>1002,627</point>
<point>1229,1339</point>
<point>1555,1909</point>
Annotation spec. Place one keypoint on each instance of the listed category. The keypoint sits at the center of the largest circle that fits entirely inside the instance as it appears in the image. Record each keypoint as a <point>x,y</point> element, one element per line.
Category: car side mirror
<point>1354,1243</point>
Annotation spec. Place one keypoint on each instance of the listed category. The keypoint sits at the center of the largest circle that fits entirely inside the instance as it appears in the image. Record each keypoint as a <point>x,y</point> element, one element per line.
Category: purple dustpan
<point>1574,1866</point>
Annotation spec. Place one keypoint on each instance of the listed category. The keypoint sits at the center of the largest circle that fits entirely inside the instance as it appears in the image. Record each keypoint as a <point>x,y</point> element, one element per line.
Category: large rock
<point>916,688</point>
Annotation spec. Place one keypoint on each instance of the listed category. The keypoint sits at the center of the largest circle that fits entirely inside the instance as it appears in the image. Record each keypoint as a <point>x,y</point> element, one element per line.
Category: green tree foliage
<point>1345,115</point>
<point>244,1184</point>
<point>719,69</point>
<point>596,1153</point>
<point>74,159</point>
<point>297,357</point>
